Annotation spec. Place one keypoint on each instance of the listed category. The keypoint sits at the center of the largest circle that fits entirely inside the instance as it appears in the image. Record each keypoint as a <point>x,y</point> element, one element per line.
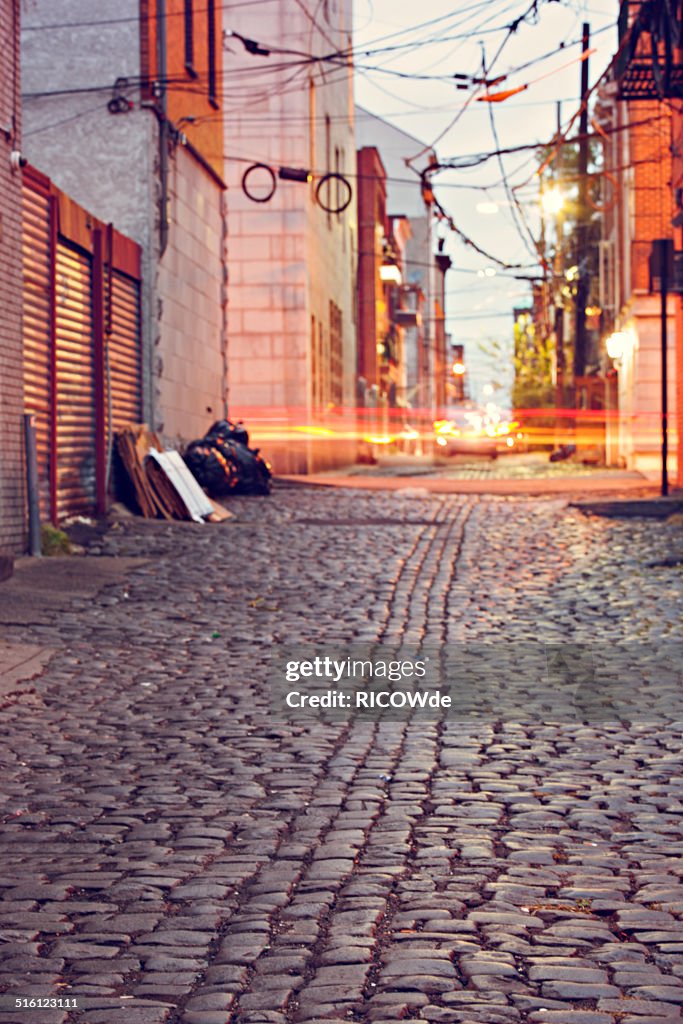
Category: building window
<point>327,364</point>
<point>336,375</point>
<point>211,40</point>
<point>189,39</point>
<point>315,380</point>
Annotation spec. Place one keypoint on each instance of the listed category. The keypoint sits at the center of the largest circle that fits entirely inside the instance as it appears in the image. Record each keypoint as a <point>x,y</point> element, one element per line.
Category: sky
<point>412,87</point>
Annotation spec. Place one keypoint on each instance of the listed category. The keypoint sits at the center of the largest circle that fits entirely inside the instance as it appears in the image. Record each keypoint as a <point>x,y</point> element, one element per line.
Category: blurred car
<point>474,430</point>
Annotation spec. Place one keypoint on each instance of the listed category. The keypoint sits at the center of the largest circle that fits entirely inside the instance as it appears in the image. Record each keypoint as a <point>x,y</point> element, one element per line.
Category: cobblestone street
<point>171,854</point>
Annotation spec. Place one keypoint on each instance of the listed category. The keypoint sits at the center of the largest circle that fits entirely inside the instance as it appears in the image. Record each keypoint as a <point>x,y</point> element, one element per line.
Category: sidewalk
<point>19,663</point>
<point>42,588</point>
<point>524,473</point>
<point>655,507</point>
<point>584,484</point>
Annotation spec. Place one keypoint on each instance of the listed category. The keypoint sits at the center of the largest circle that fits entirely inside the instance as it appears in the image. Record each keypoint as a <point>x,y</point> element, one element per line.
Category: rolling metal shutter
<point>37,329</point>
<point>124,351</point>
<point>75,383</point>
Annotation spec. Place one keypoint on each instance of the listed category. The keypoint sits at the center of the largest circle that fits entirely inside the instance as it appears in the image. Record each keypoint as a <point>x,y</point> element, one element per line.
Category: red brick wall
<point>652,192</point>
<point>11,375</point>
<point>677,183</point>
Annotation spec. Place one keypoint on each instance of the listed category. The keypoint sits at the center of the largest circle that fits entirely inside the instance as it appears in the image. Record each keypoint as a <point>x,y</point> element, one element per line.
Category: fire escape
<point>648,63</point>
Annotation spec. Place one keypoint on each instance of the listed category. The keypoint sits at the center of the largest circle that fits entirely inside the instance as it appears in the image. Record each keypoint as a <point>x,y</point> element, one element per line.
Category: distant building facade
<point>422,289</point>
<point>123,111</point>
<point>373,307</point>
<point>291,262</point>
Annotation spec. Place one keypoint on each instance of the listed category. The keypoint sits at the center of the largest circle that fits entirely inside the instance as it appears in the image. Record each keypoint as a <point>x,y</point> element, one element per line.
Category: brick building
<point>640,197</point>
<point>122,106</point>
<point>677,191</point>
<point>638,159</point>
<point>11,385</point>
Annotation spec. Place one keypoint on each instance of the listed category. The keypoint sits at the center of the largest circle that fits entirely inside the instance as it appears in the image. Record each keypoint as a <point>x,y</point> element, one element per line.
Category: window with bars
<point>606,279</point>
<point>315,363</point>
<point>336,395</point>
<point>327,368</point>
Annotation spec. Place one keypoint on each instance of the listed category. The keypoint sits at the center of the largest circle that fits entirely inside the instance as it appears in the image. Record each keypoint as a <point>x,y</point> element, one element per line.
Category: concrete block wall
<point>287,260</point>
<point>190,379</point>
<point>12,516</point>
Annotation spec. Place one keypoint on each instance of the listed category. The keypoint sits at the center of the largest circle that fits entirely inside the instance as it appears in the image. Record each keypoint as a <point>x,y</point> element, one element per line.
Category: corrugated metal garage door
<point>75,383</point>
<point>124,351</point>
<point>81,302</point>
<point>36,330</point>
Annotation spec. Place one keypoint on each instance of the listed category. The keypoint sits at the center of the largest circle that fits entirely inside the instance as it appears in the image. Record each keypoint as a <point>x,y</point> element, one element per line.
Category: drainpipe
<point>161,109</point>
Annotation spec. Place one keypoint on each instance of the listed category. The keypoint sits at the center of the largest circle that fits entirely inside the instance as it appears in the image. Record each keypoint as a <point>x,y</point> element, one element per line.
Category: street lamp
<point>390,272</point>
<point>616,345</point>
<point>552,200</point>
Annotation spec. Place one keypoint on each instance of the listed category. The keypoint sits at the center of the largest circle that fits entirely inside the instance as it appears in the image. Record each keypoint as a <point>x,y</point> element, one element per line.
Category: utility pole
<point>580,340</point>
<point>664,271</point>
<point>556,271</point>
<point>661,280</point>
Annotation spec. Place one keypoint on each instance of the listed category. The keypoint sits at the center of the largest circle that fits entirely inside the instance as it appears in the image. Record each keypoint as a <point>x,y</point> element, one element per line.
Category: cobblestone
<point>163,838</point>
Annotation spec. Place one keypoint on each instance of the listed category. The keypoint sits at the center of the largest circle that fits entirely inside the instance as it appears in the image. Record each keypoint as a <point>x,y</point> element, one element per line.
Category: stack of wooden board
<point>133,444</point>
<point>162,484</point>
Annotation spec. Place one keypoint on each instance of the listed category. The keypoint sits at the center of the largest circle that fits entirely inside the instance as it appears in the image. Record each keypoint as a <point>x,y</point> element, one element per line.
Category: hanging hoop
<point>609,204</point>
<point>271,188</point>
<point>348,194</point>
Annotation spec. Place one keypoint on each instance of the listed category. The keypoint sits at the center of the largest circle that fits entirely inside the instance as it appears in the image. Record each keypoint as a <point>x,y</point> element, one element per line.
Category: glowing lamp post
<point>552,200</point>
<point>390,272</point>
<point>616,345</point>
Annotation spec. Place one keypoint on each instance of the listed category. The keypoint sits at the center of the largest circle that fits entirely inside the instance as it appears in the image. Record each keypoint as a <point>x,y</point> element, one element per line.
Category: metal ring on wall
<point>273,183</point>
<point>329,178</point>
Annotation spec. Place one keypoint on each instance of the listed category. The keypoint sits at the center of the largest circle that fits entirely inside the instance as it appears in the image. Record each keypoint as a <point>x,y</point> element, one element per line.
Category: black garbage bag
<point>216,474</point>
<point>565,451</point>
<point>228,431</point>
<point>253,475</point>
<point>223,463</point>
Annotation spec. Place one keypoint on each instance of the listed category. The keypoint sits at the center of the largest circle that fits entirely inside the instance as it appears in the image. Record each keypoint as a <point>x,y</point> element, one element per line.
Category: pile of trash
<point>223,462</point>
<point>164,484</point>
